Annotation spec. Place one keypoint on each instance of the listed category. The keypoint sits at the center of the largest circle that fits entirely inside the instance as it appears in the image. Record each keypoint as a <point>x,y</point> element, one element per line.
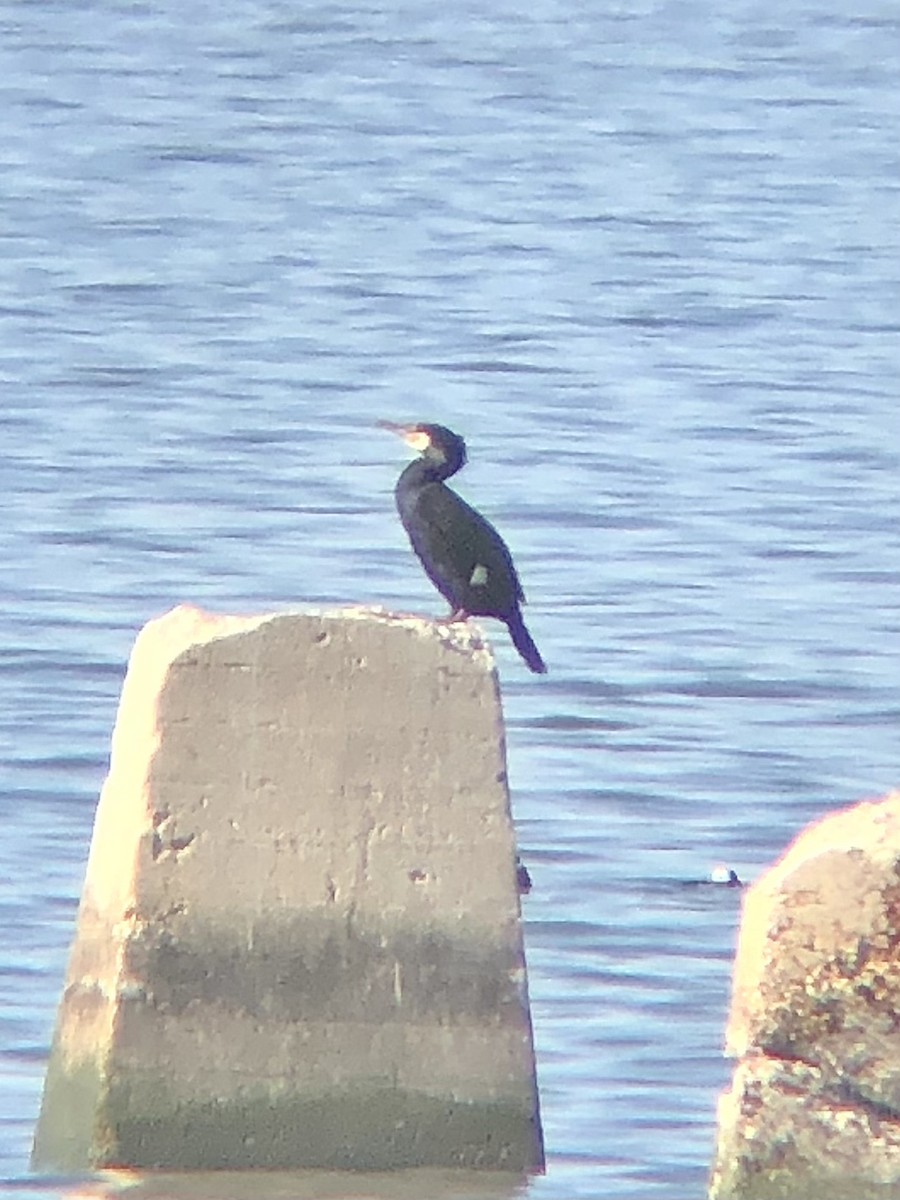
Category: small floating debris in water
<point>523,879</point>
<point>724,876</point>
<point>719,877</point>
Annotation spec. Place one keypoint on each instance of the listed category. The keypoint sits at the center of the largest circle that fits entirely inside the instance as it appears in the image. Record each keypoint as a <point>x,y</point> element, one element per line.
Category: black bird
<point>463,554</point>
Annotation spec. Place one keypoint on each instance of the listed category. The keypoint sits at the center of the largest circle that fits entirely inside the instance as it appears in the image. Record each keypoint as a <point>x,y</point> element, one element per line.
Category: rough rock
<point>814,1106</point>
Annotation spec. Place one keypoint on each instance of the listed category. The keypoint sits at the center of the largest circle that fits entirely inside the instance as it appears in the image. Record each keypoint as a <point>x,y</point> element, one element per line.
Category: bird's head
<point>435,442</point>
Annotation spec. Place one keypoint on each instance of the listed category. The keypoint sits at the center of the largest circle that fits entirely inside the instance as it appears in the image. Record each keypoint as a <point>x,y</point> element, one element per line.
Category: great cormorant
<point>463,554</point>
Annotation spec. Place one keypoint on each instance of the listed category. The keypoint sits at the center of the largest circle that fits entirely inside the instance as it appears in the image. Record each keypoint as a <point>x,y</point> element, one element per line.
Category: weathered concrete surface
<point>814,1105</point>
<point>299,941</point>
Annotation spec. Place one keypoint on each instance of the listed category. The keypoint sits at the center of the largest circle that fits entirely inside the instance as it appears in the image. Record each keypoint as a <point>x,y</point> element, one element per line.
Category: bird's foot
<point>458,614</point>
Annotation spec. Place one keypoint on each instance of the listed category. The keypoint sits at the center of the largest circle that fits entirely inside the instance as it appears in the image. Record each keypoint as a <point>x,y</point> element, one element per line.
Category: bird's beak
<point>411,434</point>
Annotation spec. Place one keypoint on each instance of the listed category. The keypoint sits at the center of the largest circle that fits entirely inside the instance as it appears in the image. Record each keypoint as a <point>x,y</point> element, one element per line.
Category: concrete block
<point>299,941</point>
<point>814,1106</point>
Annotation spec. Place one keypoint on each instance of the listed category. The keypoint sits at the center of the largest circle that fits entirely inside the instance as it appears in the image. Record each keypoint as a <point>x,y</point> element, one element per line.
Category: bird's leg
<point>458,614</point>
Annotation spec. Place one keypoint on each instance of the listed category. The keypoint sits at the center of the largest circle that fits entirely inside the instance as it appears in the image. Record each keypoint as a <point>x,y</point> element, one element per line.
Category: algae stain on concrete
<point>382,1129</point>
<point>72,1117</point>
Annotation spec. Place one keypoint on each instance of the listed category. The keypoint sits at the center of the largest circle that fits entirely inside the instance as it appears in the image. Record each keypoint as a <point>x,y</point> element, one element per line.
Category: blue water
<point>646,258</point>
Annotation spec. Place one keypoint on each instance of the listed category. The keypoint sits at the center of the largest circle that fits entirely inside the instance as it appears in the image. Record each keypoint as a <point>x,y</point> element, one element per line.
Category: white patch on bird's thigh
<point>479,576</point>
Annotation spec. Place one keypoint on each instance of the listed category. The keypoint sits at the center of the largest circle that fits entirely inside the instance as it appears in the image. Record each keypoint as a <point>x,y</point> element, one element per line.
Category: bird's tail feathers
<point>523,642</point>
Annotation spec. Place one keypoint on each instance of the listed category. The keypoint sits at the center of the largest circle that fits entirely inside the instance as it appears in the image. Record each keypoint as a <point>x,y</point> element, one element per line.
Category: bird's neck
<point>422,471</point>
